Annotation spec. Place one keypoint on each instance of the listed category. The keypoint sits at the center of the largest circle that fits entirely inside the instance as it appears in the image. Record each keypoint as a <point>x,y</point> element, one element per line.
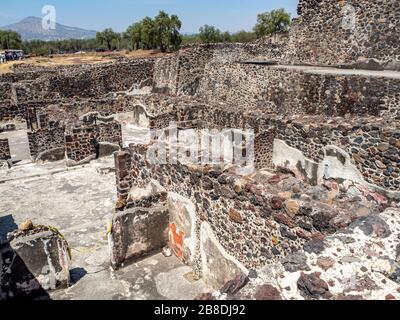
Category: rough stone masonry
<point>316,219</point>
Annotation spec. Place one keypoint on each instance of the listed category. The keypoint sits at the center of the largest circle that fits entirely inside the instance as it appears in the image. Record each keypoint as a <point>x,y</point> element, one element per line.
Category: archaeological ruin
<point>91,214</point>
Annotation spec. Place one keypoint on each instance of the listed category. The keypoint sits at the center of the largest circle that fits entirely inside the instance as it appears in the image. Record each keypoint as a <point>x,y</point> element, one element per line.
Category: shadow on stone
<point>16,281</point>
<point>7,224</point>
<point>77,274</point>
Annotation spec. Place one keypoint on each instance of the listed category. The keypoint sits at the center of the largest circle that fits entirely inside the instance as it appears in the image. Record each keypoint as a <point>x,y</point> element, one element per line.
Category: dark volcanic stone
<point>267,292</point>
<point>312,286</point>
<point>234,286</point>
<point>314,246</point>
<point>287,233</point>
<point>296,262</point>
<point>253,274</point>
<point>321,222</point>
<point>275,251</point>
<point>395,276</point>
<point>398,252</point>
<point>204,297</point>
<point>276,203</point>
<point>372,225</point>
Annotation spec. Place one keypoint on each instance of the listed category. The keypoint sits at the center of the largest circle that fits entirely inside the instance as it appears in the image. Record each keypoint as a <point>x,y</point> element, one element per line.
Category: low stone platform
<point>33,262</point>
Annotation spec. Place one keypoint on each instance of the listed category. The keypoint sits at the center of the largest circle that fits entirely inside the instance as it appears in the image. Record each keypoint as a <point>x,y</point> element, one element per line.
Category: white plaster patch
<point>329,167</point>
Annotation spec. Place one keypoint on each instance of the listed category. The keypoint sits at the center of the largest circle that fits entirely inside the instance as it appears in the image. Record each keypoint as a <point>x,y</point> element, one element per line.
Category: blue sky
<point>231,15</point>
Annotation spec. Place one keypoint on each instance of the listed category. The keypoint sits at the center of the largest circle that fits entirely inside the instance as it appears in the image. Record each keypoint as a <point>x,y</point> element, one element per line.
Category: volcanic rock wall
<point>182,72</point>
<point>10,111</point>
<point>287,91</point>
<point>46,140</point>
<point>4,150</point>
<point>372,144</point>
<point>87,81</point>
<point>252,221</point>
<point>360,262</point>
<point>78,142</point>
<point>337,32</point>
<point>5,91</point>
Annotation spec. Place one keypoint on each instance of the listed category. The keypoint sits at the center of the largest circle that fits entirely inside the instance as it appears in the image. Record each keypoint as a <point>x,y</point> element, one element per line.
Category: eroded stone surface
<point>33,262</point>
<point>353,265</point>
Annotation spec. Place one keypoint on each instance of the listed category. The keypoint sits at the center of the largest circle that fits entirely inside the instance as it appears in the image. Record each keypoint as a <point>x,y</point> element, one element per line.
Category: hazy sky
<point>231,15</point>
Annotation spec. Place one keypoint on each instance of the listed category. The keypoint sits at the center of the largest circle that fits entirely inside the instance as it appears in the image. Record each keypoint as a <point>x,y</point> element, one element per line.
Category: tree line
<point>10,40</point>
<point>267,23</point>
<point>161,32</point>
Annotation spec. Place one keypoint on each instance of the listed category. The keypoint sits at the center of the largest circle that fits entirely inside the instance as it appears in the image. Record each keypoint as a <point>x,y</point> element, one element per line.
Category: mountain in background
<point>31,29</point>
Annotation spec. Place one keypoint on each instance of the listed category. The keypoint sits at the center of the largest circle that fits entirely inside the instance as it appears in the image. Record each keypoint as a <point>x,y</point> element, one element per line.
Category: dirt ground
<point>80,58</point>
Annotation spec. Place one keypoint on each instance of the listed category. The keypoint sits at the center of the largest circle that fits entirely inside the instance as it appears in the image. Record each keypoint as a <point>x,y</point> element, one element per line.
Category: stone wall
<point>339,267</point>
<point>4,150</point>
<point>78,144</point>
<point>373,149</point>
<point>78,141</point>
<point>324,32</point>
<point>67,112</point>
<point>22,73</point>
<point>287,91</point>
<point>45,141</point>
<point>182,72</point>
<point>6,91</point>
<point>10,111</point>
<point>251,218</point>
<point>87,81</point>
<point>165,76</point>
<point>371,143</point>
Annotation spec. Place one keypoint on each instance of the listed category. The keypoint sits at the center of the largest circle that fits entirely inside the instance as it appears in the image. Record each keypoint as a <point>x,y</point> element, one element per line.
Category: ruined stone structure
<point>341,32</point>
<point>44,142</point>
<point>33,261</point>
<point>323,101</point>
<point>4,150</point>
<point>79,146</point>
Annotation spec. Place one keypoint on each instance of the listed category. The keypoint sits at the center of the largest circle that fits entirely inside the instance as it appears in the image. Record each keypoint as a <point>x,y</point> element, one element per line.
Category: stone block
<point>32,263</point>
<point>137,233</point>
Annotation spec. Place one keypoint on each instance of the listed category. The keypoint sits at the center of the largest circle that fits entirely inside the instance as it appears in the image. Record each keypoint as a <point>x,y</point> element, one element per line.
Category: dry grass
<point>80,58</point>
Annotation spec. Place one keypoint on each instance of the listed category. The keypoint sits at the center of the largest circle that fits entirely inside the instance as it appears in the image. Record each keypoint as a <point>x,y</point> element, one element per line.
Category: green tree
<point>243,36</point>
<point>108,37</point>
<point>210,34</point>
<point>10,40</point>
<point>272,22</point>
<point>167,31</point>
<point>162,32</point>
<point>148,38</point>
<point>226,37</point>
<point>174,30</point>
<point>190,38</point>
<point>134,35</point>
